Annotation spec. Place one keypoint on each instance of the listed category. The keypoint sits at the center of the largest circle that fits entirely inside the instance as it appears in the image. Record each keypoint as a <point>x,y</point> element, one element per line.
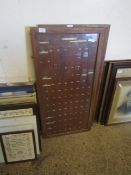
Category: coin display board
<point>68,63</point>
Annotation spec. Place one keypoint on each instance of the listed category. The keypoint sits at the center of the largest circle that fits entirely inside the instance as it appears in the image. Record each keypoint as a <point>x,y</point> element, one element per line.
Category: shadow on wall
<point>30,63</point>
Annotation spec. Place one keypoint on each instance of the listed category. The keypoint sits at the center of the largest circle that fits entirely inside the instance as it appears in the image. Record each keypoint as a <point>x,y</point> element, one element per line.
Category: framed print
<point>116,69</point>
<point>18,146</point>
<point>121,103</point>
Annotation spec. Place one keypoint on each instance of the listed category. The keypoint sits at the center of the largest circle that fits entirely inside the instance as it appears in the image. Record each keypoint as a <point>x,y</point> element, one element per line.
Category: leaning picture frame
<point>18,146</point>
<point>120,111</point>
<point>116,69</point>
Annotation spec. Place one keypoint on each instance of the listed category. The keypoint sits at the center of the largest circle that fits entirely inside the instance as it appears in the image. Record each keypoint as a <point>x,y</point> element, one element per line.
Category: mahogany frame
<point>103,31</point>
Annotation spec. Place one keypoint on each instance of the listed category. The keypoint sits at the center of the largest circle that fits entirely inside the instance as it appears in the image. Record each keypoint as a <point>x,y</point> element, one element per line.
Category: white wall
<point>16,15</point>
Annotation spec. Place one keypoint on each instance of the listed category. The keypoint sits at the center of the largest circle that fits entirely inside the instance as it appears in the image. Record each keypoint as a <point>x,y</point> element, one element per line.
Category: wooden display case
<point>68,63</point>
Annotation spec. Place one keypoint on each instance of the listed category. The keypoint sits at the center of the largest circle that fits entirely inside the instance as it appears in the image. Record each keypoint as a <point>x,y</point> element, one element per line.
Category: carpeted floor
<point>101,151</point>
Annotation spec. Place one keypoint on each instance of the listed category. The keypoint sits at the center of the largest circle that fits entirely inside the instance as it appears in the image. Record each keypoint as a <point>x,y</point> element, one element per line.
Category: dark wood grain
<point>101,92</point>
<point>68,75</point>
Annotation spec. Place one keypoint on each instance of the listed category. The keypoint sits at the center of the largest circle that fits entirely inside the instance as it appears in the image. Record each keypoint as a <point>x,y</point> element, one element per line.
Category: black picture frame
<point>106,102</point>
<point>18,136</point>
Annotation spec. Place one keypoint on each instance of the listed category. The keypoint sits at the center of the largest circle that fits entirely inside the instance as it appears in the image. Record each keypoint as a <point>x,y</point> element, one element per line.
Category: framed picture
<point>120,110</point>
<point>115,69</point>
<point>18,146</point>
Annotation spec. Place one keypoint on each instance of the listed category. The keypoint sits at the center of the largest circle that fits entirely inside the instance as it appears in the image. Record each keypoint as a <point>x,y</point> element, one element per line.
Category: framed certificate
<point>18,146</point>
<point>121,102</point>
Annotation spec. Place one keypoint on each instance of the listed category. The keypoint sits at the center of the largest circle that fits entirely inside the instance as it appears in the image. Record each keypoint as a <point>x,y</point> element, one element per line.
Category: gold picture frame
<point>120,110</point>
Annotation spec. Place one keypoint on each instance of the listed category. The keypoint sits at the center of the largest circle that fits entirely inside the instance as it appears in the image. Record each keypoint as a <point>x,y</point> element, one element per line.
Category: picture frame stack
<point>115,97</point>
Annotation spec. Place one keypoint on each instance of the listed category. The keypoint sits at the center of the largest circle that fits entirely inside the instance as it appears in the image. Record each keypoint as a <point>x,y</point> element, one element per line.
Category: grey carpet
<point>101,151</point>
